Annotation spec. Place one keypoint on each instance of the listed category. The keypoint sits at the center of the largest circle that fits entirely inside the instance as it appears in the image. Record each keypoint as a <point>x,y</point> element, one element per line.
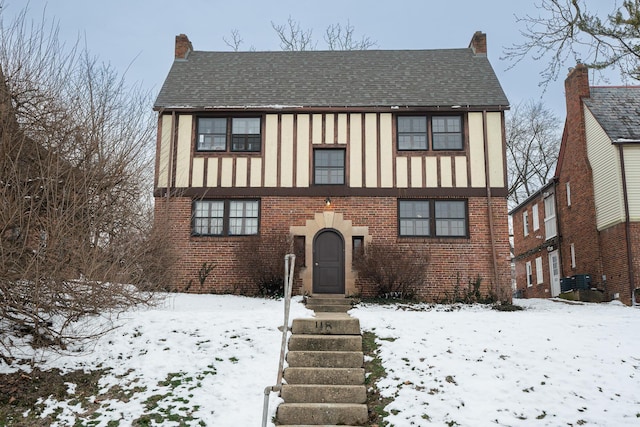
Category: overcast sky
<point>137,36</point>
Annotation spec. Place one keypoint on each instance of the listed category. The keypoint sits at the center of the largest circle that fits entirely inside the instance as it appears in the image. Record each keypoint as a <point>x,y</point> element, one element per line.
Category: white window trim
<point>529,274</point>
<point>573,255</point>
<point>568,187</point>
<point>525,223</point>
<point>539,273</point>
<point>535,217</point>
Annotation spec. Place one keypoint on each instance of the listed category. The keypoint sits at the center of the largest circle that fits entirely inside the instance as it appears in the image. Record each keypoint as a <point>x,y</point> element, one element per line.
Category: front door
<point>554,273</point>
<point>328,263</point>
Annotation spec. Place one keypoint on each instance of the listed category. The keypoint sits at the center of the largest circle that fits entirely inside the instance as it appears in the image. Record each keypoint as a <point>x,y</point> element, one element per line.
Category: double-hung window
<point>225,217</point>
<point>214,134</point>
<point>329,166</point>
<point>417,132</point>
<point>438,218</point>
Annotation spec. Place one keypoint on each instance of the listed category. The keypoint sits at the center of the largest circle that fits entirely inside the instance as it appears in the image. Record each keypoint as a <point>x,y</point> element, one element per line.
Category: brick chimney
<point>479,43</point>
<point>576,87</point>
<point>183,46</point>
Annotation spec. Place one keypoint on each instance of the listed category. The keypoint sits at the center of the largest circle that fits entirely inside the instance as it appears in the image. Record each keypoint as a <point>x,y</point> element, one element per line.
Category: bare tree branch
<point>533,141</point>
<point>292,37</point>
<point>76,153</point>
<point>568,31</point>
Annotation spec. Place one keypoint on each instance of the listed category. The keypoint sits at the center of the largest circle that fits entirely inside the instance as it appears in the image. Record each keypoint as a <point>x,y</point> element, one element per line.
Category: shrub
<point>395,272</point>
<point>267,268</point>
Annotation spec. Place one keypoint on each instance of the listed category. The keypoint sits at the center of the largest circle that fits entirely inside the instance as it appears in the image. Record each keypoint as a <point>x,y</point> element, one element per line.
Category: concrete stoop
<point>324,382</point>
<point>326,303</point>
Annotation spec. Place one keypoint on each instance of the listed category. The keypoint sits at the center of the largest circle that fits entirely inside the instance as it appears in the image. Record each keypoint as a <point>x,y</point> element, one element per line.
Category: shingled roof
<point>617,109</point>
<point>363,78</point>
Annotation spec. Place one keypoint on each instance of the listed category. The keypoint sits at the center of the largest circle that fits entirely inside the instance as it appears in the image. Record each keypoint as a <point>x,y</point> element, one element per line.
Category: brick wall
<point>534,245</point>
<point>451,261</point>
<point>577,221</point>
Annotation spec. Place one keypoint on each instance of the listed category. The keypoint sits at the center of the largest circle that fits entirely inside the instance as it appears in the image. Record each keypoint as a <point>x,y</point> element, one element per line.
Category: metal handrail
<point>289,266</point>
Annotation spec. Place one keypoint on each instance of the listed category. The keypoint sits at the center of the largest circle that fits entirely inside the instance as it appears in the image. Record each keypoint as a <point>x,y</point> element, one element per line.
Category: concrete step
<point>328,308</point>
<point>326,325</point>
<point>298,342</point>
<point>334,376</point>
<point>322,413</point>
<point>315,393</point>
<point>325,359</point>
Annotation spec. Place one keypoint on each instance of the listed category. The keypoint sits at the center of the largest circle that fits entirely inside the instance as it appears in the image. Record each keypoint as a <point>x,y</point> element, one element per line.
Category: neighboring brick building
<point>597,195</point>
<point>337,149</point>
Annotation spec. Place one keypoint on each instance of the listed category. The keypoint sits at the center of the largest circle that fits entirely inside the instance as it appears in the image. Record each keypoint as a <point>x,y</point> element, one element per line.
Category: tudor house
<point>338,150</point>
<point>582,230</point>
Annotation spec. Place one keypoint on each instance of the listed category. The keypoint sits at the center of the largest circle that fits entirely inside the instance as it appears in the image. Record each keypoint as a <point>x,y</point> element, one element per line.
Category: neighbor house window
<point>568,187</point>
<point>535,217</point>
<point>447,133</point>
<point>529,274</point>
<point>417,132</point>
<point>225,217</point>
<point>525,223</point>
<point>539,274</point>
<point>329,166</point>
<point>214,133</point>
<point>573,255</point>
<point>550,216</point>
<point>439,218</point>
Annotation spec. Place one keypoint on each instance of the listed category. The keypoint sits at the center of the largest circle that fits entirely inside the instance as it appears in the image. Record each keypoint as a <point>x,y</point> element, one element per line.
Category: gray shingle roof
<point>617,109</point>
<point>363,78</point>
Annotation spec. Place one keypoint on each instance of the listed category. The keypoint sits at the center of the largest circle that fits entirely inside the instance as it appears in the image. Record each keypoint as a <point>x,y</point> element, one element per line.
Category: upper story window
<point>447,133</point>
<point>525,223</point>
<point>550,216</point>
<point>214,134</point>
<point>329,166</point>
<point>439,218</point>
<point>412,133</point>
<point>225,217</point>
<point>535,217</point>
<point>442,132</point>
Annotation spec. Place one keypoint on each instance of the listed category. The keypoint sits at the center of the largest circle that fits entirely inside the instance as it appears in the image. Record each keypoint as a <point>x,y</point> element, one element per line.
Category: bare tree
<point>568,30</point>
<point>340,37</point>
<point>533,141</point>
<point>294,38</point>
<point>76,153</point>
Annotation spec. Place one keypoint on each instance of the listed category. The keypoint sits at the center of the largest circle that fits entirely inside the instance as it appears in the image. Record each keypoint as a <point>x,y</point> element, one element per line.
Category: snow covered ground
<point>210,357</point>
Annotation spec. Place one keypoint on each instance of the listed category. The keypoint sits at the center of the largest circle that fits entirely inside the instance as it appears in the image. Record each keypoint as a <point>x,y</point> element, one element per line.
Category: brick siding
<point>453,261</point>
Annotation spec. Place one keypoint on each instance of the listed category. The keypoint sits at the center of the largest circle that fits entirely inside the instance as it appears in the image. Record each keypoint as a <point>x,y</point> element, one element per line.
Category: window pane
<point>412,133</point>
<point>243,217</point>
<point>329,166</point>
<point>447,133</point>
<point>208,217</point>
<point>212,134</point>
<point>247,126</point>
<point>414,218</point>
<point>450,218</point>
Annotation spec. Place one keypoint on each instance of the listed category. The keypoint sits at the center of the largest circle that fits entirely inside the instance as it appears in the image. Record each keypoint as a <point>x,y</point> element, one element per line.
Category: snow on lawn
<point>552,364</point>
<point>209,358</point>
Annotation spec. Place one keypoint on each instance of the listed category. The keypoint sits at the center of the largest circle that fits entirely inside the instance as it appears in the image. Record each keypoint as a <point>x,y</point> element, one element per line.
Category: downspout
<point>171,158</point>
<point>489,204</point>
<point>627,227</point>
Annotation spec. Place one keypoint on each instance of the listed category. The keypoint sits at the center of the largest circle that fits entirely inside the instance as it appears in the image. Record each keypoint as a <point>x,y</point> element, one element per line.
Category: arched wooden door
<point>328,263</point>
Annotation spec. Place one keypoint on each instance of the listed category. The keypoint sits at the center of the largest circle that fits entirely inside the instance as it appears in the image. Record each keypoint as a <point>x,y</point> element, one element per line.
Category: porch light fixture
<point>327,201</point>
